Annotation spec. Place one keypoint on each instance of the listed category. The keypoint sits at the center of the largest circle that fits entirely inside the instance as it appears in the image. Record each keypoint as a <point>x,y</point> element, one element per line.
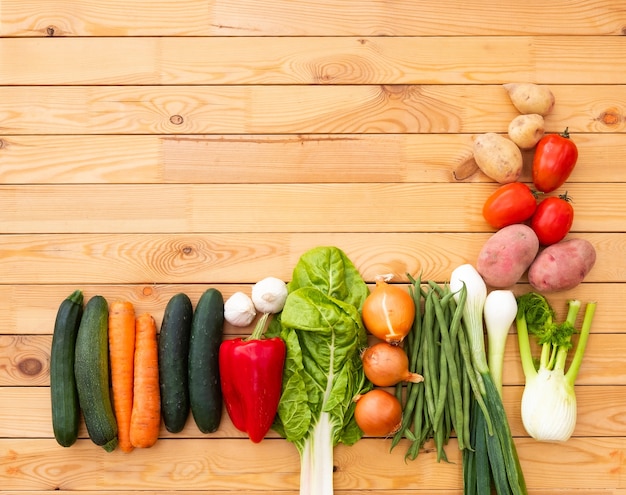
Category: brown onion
<point>388,312</point>
<point>385,365</point>
<point>378,413</point>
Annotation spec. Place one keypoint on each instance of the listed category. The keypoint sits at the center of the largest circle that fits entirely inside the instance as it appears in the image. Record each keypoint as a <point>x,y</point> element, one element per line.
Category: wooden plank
<point>25,362</point>
<point>245,257</point>
<point>244,109</point>
<point>26,414</point>
<point>228,464</point>
<point>312,60</point>
<point>308,18</point>
<point>354,207</point>
<point>259,159</point>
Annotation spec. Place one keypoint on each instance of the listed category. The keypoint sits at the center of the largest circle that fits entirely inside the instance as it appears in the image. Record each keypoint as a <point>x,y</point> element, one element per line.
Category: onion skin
<point>386,365</point>
<point>388,312</point>
<point>378,413</point>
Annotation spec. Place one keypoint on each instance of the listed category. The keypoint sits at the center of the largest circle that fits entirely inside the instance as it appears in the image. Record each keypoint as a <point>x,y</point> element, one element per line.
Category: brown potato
<point>526,130</point>
<point>562,266</point>
<point>498,157</point>
<point>507,254</point>
<point>530,98</point>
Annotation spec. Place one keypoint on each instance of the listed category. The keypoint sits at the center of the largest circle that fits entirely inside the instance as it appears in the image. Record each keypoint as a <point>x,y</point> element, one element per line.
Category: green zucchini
<point>63,392</point>
<point>205,392</point>
<point>173,362</point>
<point>91,369</point>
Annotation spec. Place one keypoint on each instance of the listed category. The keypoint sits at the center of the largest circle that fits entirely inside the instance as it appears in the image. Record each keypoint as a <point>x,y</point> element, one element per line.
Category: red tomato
<point>509,204</point>
<point>554,160</point>
<point>553,219</point>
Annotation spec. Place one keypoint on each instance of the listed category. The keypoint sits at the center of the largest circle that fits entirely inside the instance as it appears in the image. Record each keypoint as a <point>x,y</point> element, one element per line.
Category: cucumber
<point>205,392</point>
<point>91,369</point>
<point>63,392</point>
<point>173,362</point>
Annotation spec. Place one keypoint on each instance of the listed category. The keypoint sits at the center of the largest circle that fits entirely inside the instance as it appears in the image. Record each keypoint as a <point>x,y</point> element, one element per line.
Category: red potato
<point>562,266</point>
<point>507,254</point>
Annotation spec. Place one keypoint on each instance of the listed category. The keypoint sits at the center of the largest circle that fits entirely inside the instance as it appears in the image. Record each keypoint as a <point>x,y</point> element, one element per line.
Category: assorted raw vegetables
<point>316,380</point>
<point>549,400</point>
<point>322,327</point>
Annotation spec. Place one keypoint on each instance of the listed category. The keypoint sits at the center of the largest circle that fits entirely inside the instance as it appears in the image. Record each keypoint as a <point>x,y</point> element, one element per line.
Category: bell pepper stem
<point>259,329</point>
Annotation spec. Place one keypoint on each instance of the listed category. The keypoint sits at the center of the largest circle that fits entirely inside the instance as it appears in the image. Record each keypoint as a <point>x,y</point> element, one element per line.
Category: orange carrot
<point>121,356</point>
<point>145,419</point>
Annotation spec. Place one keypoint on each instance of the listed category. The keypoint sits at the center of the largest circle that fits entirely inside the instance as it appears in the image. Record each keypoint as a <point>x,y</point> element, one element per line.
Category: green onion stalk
<point>492,460</point>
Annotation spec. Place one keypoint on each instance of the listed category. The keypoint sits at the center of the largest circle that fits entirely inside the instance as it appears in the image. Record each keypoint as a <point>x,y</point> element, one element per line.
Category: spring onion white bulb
<point>473,312</point>
<point>499,314</point>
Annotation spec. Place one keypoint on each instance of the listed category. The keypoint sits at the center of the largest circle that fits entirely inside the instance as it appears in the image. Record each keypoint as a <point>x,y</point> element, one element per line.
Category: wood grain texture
<point>244,257</point>
<point>154,147</point>
<point>356,467</point>
<point>326,60</point>
<point>260,159</point>
<point>309,18</point>
<point>294,109</point>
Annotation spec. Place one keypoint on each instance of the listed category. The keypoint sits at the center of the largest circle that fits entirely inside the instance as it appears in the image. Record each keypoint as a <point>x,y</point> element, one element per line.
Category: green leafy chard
<point>322,327</point>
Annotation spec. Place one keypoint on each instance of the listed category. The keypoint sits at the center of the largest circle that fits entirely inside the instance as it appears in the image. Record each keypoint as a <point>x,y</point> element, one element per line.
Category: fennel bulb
<point>549,406</point>
<point>549,401</point>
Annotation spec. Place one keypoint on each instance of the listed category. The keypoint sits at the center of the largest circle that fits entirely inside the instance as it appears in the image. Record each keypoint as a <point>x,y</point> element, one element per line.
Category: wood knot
<point>187,250</point>
<point>611,117</point>
<point>30,366</point>
<point>176,119</point>
<point>51,30</point>
<point>147,291</point>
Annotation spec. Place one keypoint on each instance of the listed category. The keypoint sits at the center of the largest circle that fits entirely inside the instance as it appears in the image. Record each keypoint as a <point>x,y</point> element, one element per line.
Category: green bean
<point>450,363</point>
<point>428,355</point>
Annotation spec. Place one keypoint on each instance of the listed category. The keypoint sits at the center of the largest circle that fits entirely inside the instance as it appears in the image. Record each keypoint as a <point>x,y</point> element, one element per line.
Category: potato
<point>562,266</point>
<point>507,254</point>
<point>530,98</point>
<point>526,130</point>
<point>498,157</point>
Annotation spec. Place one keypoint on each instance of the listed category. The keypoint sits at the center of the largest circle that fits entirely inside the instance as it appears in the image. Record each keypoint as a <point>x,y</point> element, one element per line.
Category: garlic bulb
<point>269,295</point>
<point>239,310</point>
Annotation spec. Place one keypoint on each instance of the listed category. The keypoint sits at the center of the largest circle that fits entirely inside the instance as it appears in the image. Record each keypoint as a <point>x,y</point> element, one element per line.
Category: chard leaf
<point>329,270</point>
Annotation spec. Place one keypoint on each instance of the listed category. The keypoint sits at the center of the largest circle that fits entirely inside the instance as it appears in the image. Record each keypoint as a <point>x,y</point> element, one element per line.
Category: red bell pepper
<point>251,374</point>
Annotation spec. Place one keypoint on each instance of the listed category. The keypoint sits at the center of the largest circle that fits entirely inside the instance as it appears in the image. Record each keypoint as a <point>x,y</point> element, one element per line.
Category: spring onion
<point>493,459</point>
<point>499,312</point>
<point>549,400</point>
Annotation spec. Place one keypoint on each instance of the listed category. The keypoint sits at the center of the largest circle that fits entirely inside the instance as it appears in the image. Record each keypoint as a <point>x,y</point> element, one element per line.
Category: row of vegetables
<point>330,360</point>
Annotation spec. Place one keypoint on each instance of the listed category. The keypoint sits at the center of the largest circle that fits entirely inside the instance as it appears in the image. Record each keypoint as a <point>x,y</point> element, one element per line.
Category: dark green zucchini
<point>91,369</point>
<point>63,391</point>
<point>205,392</point>
<point>173,362</point>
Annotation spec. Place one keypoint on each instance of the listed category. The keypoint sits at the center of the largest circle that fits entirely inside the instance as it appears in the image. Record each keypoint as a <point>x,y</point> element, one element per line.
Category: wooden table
<point>148,148</point>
